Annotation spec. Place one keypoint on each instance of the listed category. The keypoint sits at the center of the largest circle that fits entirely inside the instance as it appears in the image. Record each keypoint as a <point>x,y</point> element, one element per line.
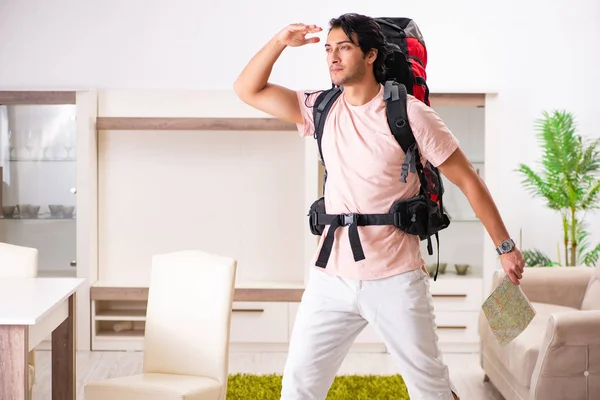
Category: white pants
<point>334,310</point>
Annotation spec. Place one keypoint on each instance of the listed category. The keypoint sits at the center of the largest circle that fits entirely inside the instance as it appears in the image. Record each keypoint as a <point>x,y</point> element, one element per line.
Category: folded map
<point>508,311</point>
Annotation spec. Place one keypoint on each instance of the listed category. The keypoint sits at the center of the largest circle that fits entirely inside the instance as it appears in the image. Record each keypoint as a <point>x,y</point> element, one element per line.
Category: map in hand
<point>508,311</point>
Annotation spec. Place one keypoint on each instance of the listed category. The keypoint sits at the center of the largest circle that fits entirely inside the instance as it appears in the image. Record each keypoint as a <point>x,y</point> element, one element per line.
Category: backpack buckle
<point>397,219</point>
<point>348,219</point>
<point>404,173</point>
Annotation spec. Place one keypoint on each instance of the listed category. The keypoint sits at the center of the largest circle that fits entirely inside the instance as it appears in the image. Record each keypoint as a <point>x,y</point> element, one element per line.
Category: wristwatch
<point>506,246</point>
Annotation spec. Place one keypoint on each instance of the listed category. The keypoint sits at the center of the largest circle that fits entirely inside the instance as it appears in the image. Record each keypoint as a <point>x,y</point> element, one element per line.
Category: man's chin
<point>338,82</point>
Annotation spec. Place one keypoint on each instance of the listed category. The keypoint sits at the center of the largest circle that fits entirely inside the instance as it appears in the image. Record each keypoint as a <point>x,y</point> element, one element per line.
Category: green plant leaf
<point>536,258</point>
<point>591,258</point>
<point>568,179</point>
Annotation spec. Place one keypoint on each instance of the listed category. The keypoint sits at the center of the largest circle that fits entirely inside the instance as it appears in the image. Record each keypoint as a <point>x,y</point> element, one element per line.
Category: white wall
<point>239,194</point>
<point>536,55</point>
<point>182,45</point>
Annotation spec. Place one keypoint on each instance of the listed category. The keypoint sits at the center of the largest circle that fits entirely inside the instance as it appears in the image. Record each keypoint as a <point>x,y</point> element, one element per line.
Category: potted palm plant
<point>569,181</point>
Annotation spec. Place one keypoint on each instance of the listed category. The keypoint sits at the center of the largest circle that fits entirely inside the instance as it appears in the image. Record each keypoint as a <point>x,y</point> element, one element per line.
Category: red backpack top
<point>408,60</point>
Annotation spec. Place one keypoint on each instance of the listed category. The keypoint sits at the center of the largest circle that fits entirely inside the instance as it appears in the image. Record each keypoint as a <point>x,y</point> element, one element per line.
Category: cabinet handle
<point>449,295</point>
<point>254,310</point>
<point>451,327</point>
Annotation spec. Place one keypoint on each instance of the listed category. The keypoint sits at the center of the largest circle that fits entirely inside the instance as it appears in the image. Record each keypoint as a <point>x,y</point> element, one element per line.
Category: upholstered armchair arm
<point>568,361</point>
<point>563,286</point>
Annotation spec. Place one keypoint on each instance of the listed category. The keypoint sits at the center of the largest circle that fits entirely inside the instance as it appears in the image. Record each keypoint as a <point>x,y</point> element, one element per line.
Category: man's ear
<point>372,56</point>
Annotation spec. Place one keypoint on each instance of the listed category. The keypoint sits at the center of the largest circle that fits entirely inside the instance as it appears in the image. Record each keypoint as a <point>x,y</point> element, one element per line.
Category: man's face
<point>346,61</point>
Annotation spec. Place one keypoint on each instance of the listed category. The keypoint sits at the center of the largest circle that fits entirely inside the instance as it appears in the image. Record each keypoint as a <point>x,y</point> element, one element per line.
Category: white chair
<point>20,262</point>
<point>186,342</point>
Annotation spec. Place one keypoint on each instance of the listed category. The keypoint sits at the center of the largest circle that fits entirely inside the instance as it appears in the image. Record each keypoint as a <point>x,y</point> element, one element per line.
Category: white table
<point>30,310</point>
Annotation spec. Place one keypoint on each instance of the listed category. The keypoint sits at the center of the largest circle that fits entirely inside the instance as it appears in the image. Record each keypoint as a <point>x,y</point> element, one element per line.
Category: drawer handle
<point>255,310</point>
<point>449,295</point>
<point>451,327</point>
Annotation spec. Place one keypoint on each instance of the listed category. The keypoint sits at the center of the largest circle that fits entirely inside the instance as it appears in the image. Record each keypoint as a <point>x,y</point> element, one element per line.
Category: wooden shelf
<point>121,315</point>
<point>457,99</point>
<point>119,293</point>
<point>36,97</point>
<point>211,124</point>
<point>136,334</point>
<point>276,294</point>
<point>253,124</point>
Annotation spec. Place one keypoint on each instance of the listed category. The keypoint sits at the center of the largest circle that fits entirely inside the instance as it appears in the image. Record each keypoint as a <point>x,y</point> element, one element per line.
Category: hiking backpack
<point>423,215</point>
<point>408,60</point>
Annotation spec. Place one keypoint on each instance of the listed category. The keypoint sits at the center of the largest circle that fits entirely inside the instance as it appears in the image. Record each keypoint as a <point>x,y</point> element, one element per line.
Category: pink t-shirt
<point>364,164</point>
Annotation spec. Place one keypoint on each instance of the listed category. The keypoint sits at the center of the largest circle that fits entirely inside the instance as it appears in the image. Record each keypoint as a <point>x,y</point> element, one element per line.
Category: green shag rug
<point>344,387</point>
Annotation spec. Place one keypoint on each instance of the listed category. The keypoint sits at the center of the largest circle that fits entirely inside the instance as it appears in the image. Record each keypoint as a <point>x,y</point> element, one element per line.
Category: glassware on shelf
<point>55,210</point>
<point>32,211</point>
<point>68,211</point>
<point>11,146</point>
<point>45,149</point>
<point>8,211</point>
<point>61,211</point>
<point>70,142</point>
<point>30,144</point>
<point>461,269</point>
<point>23,210</point>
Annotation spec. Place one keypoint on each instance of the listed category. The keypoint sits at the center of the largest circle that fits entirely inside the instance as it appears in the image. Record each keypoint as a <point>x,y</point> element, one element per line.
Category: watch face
<point>506,246</point>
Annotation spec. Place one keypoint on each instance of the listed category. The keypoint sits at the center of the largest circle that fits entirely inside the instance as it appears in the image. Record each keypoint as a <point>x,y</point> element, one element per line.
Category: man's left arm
<point>458,169</point>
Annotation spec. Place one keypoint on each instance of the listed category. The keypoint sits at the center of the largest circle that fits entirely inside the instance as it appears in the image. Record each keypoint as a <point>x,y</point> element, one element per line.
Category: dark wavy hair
<point>369,36</point>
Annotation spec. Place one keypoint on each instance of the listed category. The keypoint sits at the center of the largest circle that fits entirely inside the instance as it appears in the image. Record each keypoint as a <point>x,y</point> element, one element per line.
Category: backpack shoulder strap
<point>321,108</point>
<point>395,99</point>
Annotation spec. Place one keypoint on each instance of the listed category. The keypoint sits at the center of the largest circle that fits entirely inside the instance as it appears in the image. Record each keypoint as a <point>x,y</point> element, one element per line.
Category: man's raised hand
<point>294,35</point>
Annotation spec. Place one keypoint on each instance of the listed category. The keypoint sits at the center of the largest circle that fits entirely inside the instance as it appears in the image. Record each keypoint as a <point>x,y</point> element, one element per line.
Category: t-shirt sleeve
<point>435,141</point>
<point>306,101</point>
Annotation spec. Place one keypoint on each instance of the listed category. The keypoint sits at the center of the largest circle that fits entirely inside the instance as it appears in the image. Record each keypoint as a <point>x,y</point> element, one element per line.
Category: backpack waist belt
<point>352,221</point>
<point>403,215</point>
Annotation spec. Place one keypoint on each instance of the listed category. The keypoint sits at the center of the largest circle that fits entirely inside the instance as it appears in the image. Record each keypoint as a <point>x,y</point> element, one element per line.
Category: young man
<point>389,288</point>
